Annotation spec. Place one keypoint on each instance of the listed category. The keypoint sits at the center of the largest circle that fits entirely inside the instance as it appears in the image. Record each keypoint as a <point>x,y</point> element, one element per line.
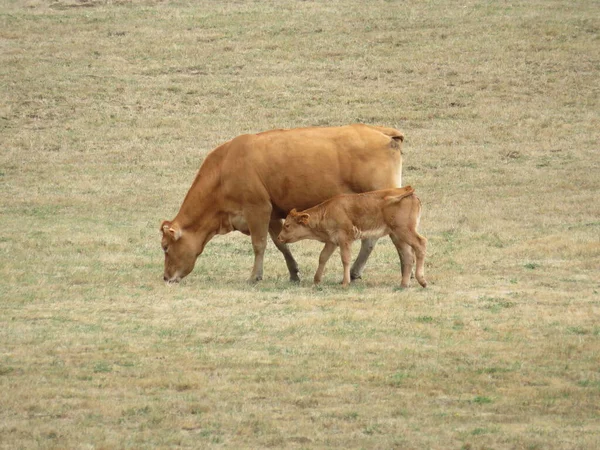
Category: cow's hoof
<point>295,278</point>
<point>354,276</point>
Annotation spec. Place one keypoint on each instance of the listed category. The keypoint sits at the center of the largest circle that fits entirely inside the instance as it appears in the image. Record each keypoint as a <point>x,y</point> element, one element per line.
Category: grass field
<point>107,109</point>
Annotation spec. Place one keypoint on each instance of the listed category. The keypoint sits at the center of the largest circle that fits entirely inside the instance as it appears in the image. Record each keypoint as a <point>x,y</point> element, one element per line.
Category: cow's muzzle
<point>171,280</point>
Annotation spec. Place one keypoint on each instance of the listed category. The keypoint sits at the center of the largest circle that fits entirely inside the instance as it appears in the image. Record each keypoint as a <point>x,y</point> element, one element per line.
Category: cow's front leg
<point>258,224</point>
<point>323,258</point>
<point>366,247</point>
<point>346,257</point>
<point>292,265</point>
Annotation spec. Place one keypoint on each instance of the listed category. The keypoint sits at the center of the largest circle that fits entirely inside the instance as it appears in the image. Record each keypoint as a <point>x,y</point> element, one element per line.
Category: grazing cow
<point>250,183</point>
<point>345,218</point>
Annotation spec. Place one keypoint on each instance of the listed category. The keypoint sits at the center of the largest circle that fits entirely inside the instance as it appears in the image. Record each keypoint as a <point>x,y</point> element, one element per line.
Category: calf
<point>345,218</point>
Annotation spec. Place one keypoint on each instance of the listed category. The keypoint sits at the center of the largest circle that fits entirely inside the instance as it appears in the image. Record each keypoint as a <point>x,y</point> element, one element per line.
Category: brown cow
<point>250,183</point>
<point>345,218</point>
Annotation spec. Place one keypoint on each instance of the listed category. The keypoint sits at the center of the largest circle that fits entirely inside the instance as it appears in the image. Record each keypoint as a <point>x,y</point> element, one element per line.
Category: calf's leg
<point>346,257</point>
<point>420,250</point>
<point>366,247</point>
<point>323,258</point>
<point>405,254</point>
<point>406,241</point>
<point>292,265</point>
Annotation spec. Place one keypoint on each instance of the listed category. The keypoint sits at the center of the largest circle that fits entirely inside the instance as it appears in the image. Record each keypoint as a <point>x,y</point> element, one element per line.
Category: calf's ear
<point>303,218</point>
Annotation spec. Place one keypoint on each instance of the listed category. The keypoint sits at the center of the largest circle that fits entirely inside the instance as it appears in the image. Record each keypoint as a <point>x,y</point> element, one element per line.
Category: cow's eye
<point>286,225</point>
<point>165,249</point>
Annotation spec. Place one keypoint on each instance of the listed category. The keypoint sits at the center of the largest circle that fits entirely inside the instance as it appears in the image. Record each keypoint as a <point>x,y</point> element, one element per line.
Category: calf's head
<point>295,228</point>
<point>180,252</point>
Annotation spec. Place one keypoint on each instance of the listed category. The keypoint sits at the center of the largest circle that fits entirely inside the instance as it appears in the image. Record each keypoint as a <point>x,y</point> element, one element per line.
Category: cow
<point>250,183</point>
<point>345,218</point>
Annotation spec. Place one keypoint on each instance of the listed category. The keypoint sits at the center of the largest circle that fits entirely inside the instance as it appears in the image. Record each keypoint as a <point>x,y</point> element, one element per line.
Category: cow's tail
<point>396,135</point>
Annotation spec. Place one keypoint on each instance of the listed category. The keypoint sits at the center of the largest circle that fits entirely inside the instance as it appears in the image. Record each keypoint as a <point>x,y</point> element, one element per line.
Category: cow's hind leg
<point>366,247</point>
<point>292,265</point>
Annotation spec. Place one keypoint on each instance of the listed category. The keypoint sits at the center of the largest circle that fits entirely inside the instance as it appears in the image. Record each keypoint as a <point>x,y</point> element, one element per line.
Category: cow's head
<point>180,251</point>
<point>295,227</point>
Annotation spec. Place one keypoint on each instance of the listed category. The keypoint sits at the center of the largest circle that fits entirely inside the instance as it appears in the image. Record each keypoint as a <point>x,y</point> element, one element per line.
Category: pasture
<point>107,109</point>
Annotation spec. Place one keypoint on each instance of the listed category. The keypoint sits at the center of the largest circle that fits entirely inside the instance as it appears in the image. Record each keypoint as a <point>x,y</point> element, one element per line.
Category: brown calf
<point>345,218</point>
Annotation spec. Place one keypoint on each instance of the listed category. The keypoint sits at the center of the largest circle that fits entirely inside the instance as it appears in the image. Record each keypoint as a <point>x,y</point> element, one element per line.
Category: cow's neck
<point>199,209</point>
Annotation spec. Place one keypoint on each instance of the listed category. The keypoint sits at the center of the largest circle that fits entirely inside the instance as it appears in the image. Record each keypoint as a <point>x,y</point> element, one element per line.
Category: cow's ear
<point>303,218</point>
<point>171,230</point>
<point>175,233</point>
<point>164,227</point>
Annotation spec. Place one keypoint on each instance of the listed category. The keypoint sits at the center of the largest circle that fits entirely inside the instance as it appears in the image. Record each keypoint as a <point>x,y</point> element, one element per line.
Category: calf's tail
<point>391,199</point>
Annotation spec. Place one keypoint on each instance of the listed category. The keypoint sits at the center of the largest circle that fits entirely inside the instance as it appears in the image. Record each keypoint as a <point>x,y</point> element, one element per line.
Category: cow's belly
<point>238,222</point>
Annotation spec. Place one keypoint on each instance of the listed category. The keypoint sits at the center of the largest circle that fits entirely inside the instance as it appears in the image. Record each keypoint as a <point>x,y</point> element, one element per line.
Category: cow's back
<point>300,168</point>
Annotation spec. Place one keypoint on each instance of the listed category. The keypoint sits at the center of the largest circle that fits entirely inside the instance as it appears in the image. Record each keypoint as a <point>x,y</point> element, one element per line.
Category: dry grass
<point>107,110</point>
